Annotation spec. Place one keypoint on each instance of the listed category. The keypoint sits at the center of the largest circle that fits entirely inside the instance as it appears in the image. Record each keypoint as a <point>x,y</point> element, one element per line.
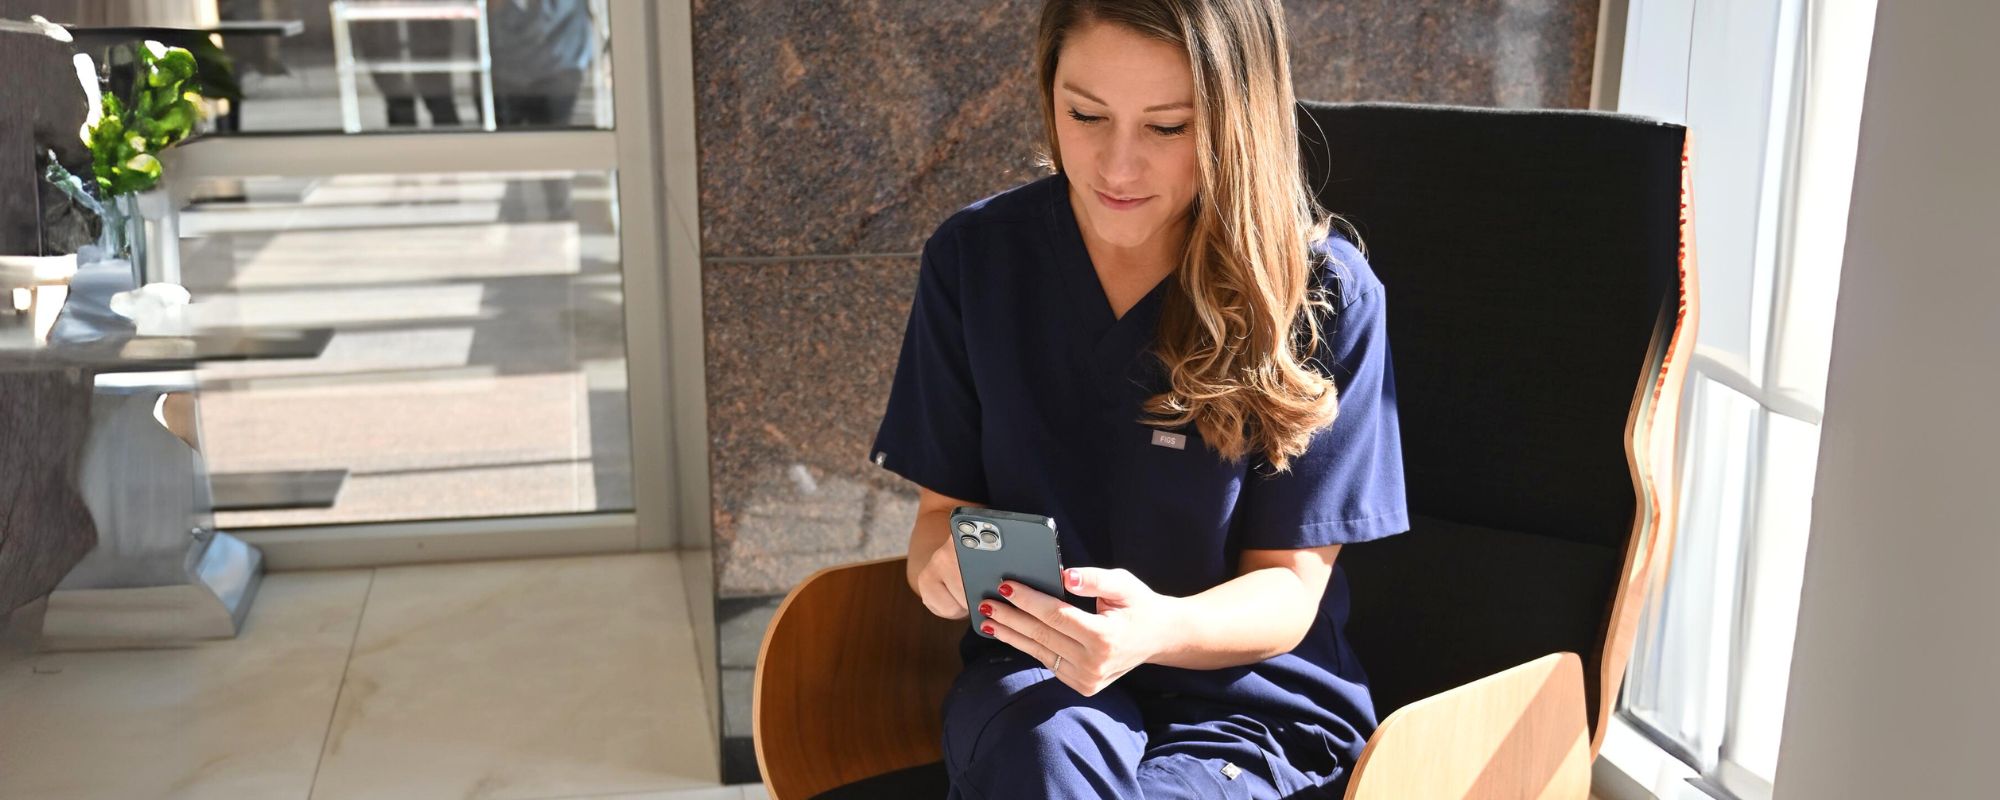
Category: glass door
<point>437,189</point>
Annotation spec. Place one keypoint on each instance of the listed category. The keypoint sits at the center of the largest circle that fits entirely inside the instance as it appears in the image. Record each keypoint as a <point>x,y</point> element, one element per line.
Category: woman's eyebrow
<point>1149,109</point>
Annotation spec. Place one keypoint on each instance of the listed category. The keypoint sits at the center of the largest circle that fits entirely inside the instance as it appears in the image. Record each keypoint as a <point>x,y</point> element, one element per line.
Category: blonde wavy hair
<point>1236,339</point>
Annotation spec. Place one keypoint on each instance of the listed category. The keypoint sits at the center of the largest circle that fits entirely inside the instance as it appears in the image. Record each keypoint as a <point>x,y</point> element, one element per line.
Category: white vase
<point>162,237</point>
<point>144,228</point>
<point>149,235</point>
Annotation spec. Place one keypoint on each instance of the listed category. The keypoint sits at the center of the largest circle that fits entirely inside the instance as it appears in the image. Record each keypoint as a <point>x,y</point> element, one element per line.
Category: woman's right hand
<point>939,584</point>
<point>932,566</point>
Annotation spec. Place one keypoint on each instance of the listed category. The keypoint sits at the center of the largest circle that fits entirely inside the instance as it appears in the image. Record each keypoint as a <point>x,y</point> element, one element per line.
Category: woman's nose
<point>1123,163</point>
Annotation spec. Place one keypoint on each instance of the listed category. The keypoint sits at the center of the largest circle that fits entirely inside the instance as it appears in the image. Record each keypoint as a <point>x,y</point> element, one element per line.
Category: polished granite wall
<point>834,137</point>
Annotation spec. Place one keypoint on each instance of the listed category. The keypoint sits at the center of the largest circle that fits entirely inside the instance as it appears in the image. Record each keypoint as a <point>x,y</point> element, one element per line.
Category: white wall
<point>1895,683</point>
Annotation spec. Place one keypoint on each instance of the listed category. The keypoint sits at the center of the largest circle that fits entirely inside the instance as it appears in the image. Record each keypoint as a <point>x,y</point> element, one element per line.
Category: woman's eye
<point>1163,130</point>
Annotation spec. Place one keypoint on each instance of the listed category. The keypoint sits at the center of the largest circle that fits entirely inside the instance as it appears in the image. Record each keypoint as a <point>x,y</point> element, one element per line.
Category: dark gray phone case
<point>1028,553</point>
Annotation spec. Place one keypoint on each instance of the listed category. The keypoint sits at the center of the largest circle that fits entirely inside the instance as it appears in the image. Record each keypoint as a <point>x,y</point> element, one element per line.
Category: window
<point>1771,91</point>
<point>476,360</point>
<point>494,369</point>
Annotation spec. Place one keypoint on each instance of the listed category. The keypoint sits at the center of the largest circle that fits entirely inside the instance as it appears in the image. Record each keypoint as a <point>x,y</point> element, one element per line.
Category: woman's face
<point>1124,108</point>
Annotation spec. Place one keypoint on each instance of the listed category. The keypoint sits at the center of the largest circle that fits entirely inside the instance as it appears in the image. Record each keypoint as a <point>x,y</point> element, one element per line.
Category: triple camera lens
<point>978,536</point>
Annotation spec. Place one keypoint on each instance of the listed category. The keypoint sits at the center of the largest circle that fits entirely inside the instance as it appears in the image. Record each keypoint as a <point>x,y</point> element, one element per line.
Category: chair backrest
<point>1533,263</point>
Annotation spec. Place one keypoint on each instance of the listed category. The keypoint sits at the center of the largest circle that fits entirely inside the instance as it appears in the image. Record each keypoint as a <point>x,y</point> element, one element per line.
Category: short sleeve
<point>930,431</point>
<point>1348,485</point>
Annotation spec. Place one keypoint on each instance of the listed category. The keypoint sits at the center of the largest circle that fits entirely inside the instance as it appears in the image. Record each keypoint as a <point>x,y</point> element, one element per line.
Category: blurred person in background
<point>541,49</point>
<point>411,40</point>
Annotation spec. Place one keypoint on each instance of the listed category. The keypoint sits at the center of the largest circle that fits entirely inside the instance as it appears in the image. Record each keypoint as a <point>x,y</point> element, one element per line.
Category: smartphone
<point>995,546</point>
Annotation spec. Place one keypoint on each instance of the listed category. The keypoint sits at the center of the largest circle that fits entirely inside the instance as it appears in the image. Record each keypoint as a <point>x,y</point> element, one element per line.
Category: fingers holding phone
<point>940,585</point>
<point>932,566</point>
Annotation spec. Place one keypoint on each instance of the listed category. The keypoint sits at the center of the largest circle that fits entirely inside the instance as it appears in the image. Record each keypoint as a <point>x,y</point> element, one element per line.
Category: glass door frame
<point>664,468</point>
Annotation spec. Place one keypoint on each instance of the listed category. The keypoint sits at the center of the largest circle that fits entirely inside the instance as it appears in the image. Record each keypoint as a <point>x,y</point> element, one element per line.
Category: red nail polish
<point>987,628</point>
<point>986,609</point>
<point>1007,590</point>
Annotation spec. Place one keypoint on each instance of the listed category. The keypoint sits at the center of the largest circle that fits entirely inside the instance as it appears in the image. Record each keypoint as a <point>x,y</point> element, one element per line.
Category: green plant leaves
<point>123,143</point>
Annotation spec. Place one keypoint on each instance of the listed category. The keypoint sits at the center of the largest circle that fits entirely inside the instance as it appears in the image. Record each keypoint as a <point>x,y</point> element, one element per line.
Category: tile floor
<point>533,679</point>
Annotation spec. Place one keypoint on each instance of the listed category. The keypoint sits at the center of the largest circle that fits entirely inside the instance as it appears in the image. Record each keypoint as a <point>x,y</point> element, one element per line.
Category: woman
<point>1151,346</point>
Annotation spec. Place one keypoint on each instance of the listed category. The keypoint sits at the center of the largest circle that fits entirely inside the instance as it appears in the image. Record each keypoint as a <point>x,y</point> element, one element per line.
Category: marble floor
<point>528,679</point>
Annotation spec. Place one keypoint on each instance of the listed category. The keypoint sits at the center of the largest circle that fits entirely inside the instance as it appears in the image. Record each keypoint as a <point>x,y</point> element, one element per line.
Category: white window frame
<point>1654,44</point>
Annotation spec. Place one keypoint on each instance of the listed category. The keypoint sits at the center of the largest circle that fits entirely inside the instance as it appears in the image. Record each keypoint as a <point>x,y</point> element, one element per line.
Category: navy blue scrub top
<point>1018,389</point>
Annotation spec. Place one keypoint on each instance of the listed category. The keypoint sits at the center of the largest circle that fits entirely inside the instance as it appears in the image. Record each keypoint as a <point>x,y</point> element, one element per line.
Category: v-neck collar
<point>1086,287</point>
<point>1110,344</point>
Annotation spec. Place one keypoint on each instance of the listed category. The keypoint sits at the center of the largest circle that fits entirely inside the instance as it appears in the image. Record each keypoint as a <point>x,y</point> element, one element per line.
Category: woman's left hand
<point>1132,624</point>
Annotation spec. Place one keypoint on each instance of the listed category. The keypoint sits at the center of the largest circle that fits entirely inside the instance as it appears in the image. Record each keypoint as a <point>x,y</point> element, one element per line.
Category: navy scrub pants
<point>1012,731</point>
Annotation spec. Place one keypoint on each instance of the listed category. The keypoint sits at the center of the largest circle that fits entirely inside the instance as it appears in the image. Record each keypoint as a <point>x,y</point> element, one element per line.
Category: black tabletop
<point>161,353</point>
<point>247,27</point>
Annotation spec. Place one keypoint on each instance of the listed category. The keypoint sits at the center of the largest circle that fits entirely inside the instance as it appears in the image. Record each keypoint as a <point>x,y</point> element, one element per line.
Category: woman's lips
<point>1116,204</point>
